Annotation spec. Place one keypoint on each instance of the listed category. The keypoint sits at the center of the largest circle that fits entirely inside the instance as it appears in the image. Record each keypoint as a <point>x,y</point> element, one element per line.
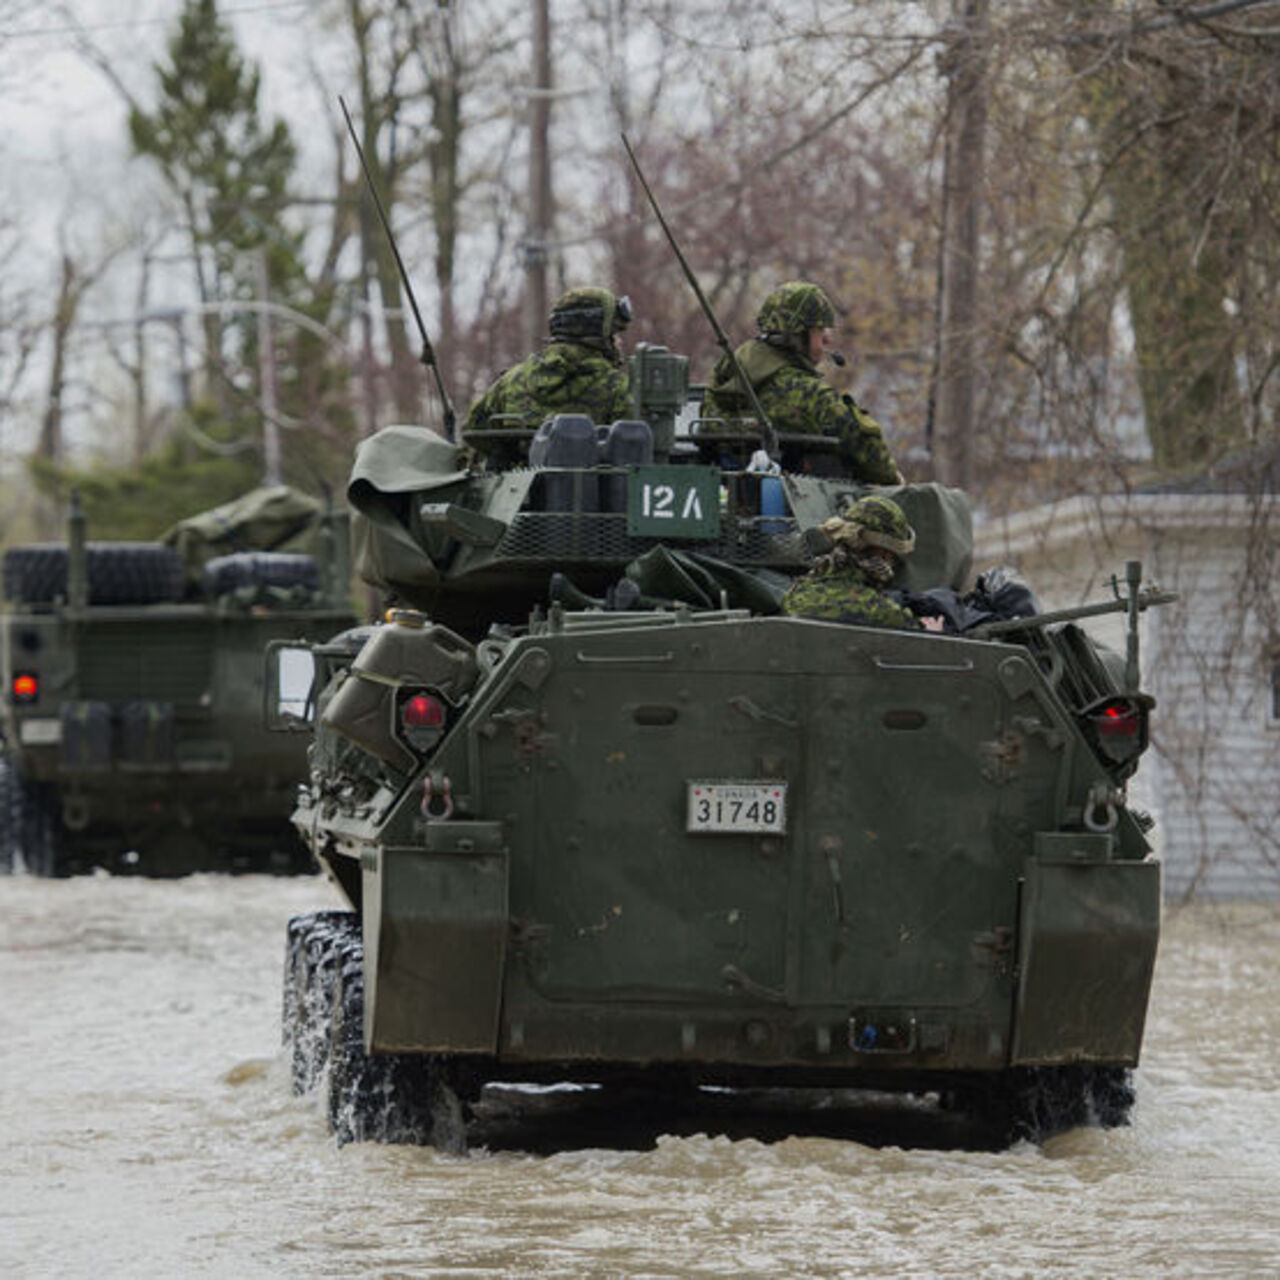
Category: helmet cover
<point>873,521</point>
<point>589,313</point>
<point>795,308</point>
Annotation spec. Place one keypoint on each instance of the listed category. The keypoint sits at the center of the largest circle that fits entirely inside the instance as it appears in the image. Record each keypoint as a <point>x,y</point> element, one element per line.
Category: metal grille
<point>556,535</point>
<point>162,663</point>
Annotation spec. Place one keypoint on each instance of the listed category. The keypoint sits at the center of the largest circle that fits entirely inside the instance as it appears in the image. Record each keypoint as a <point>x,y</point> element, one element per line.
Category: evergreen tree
<point>230,171</point>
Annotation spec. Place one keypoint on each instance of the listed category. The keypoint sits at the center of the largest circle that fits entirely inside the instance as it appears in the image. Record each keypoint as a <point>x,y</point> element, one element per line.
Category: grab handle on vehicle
<point>605,659</point>
<point>967,665</point>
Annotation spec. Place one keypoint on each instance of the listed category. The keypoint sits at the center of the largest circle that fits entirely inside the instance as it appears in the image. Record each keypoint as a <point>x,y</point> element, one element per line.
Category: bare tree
<point>20,327</point>
<point>960,265</point>
<point>812,144</point>
<point>1183,114</point>
<point>75,279</point>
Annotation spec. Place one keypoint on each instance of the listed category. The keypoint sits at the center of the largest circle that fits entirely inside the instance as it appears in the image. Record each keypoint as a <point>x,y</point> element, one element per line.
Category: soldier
<point>578,370</point>
<point>782,365</point>
<point>847,584</point>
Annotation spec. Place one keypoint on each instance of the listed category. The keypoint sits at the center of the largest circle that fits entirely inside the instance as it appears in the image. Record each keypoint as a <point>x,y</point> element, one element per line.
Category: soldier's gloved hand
<point>762,464</point>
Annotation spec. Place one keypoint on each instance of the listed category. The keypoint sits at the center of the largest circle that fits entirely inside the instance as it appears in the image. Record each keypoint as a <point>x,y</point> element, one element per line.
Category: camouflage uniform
<point>579,370</point>
<point>791,390</point>
<point>846,595</point>
<point>847,585</point>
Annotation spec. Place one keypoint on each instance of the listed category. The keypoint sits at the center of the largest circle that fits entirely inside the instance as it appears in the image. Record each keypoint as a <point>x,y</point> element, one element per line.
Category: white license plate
<point>40,733</point>
<point>738,806</point>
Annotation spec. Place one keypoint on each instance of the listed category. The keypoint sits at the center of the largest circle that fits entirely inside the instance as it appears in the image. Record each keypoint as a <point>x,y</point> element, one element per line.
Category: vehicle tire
<point>1049,1100</point>
<point>8,842</point>
<point>118,573</point>
<point>385,1097</point>
<point>290,1023</point>
<point>1030,1104</point>
<point>1111,1096</point>
<point>310,959</point>
<point>260,569</point>
<point>36,820</point>
<point>1035,1103</point>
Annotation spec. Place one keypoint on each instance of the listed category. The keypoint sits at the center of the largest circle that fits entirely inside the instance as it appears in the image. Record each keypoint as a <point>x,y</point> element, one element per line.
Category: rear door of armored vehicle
<point>892,749</point>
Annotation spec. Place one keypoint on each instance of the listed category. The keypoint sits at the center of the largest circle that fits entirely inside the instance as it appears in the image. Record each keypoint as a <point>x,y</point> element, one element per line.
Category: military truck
<point>603,814</point>
<point>132,706</point>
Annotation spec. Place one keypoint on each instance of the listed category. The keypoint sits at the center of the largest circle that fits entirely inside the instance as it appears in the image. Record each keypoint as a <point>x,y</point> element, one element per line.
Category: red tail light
<point>1118,720</point>
<point>1118,730</point>
<point>422,711</point>
<point>25,687</point>
<point>424,720</point>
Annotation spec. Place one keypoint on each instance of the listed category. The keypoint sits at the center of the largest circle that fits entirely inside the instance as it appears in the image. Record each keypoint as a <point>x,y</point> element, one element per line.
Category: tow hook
<point>437,798</point>
<point>1100,808</point>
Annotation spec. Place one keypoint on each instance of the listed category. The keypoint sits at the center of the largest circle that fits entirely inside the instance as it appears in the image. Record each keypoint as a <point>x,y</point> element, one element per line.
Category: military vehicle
<point>132,706</point>
<point>603,814</point>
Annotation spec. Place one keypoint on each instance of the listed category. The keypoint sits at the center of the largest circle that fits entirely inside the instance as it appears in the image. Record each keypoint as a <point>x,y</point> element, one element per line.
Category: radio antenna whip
<point>428,356</point>
<point>766,427</point>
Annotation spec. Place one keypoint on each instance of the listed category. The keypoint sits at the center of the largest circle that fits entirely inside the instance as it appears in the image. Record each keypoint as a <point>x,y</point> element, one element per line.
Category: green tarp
<point>705,582</point>
<point>273,518</point>
<point>943,521</point>
<point>390,468</point>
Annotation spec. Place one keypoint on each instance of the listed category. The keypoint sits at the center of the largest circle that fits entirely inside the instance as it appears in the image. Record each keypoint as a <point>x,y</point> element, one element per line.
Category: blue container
<point>773,506</point>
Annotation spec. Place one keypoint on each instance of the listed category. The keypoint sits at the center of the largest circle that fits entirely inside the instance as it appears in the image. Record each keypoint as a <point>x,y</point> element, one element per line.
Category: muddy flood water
<point>147,1129</point>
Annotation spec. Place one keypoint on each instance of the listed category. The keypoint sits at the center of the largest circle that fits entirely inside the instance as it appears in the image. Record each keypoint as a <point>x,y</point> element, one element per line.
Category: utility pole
<point>271,470</point>
<point>540,205</point>
<point>964,65</point>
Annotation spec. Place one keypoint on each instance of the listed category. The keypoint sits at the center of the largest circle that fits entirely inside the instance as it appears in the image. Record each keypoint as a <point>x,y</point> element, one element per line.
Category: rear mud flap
<point>436,931</point>
<point>1087,949</point>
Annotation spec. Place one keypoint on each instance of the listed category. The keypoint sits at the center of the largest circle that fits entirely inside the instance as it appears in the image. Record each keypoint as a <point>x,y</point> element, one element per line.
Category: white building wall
<point>1217,758</point>
<point>1212,776</point>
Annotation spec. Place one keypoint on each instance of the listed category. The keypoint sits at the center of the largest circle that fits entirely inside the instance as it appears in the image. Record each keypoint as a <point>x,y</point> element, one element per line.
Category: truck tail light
<point>1118,729</point>
<point>423,719</point>
<point>422,711</point>
<point>25,687</point>
<point>1118,721</point>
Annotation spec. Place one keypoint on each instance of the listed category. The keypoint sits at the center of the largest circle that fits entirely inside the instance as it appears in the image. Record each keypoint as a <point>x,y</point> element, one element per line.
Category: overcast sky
<point>66,172</point>
<point>65,133</point>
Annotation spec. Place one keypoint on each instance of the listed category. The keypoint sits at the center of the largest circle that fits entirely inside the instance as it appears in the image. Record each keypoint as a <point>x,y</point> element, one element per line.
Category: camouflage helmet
<point>873,521</point>
<point>795,308</point>
<point>589,313</point>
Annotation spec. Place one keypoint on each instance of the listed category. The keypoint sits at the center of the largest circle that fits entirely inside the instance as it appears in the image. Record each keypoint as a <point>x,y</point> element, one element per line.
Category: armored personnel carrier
<point>603,814</point>
<point>132,707</point>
